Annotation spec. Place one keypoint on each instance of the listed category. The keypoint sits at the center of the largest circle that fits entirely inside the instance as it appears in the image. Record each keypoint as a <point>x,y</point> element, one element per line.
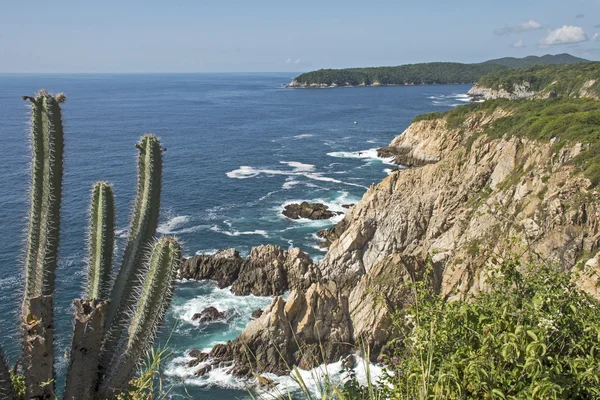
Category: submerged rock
<point>306,210</point>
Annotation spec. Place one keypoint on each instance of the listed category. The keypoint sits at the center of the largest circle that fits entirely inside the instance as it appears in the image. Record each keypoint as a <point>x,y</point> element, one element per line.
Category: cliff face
<point>473,202</point>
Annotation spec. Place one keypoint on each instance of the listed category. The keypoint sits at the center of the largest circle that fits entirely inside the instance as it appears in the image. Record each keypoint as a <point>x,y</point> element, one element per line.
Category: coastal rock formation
<point>223,267</point>
<point>308,210</point>
<point>267,271</point>
<point>270,343</point>
<point>209,314</point>
<point>475,201</point>
<point>518,91</point>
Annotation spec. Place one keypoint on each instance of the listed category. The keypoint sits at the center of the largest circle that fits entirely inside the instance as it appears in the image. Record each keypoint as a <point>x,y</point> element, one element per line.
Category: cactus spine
<point>144,222</point>
<point>47,143</point>
<point>101,241</point>
<point>154,299</point>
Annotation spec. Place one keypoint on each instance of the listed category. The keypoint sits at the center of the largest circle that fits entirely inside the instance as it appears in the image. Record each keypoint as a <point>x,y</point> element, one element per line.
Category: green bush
<point>533,336</point>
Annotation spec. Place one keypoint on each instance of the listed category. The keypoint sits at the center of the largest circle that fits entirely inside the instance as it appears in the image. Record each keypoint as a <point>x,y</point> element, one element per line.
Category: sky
<point>287,36</point>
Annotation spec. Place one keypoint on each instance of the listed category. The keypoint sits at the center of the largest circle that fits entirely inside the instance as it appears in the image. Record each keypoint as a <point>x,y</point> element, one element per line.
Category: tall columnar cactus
<point>47,142</point>
<point>101,241</point>
<point>142,228</point>
<point>140,294</point>
<point>153,301</point>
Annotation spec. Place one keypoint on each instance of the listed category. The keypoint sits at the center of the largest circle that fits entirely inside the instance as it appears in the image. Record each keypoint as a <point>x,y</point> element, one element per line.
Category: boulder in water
<point>314,211</point>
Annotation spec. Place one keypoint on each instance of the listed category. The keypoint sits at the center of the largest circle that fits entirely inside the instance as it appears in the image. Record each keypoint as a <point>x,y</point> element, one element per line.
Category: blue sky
<point>248,36</point>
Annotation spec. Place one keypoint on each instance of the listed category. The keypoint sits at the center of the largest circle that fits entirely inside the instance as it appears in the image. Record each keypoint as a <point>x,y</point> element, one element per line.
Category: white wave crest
<point>215,228</point>
<point>303,136</point>
<point>172,224</point>
<point>298,169</point>
<point>367,155</point>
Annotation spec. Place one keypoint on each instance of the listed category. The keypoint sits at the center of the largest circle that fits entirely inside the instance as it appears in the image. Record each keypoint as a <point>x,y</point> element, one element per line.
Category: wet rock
<point>348,206</point>
<point>203,370</point>
<point>209,314</point>
<point>257,313</point>
<point>315,317</point>
<point>265,382</point>
<point>314,211</point>
<point>223,267</point>
<point>349,362</point>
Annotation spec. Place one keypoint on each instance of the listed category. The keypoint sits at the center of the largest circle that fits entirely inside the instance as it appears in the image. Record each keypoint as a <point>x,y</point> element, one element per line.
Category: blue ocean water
<point>239,147</point>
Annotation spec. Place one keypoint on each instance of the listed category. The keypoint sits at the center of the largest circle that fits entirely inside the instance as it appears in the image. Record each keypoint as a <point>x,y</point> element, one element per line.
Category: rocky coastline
<point>448,211</point>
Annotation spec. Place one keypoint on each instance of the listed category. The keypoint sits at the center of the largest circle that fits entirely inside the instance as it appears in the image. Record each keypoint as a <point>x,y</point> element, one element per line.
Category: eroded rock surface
<point>306,210</point>
<point>223,267</point>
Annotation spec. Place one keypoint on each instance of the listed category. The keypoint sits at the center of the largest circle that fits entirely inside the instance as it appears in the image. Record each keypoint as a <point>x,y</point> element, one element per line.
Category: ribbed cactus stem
<point>152,304</point>
<point>7,390</point>
<point>144,222</point>
<point>101,242</point>
<point>47,144</point>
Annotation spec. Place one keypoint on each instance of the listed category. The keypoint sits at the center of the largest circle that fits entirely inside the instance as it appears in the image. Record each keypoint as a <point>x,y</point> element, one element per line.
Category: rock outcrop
<point>474,201</point>
<point>306,210</point>
<point>310,327</point>
<point>270,271</point>
<point>223,267</point>
<point>209,314</point>
<point>518,91</point>
<point>267,271</point>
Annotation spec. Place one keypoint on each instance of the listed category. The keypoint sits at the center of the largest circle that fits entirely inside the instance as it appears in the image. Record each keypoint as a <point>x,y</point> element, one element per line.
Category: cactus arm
<point>88,333</point>
<point>7,390</point>
<point>46,188</point>
<point>101,242</point>
<point>142,228</point>
<point>154,300</point>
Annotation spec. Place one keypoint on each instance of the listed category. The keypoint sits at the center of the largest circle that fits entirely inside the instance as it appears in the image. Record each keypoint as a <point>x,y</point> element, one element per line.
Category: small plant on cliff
<point>535,335</point>
<point>116,322</point>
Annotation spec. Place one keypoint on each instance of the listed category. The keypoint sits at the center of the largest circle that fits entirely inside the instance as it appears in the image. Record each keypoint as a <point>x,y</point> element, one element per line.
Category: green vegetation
<point>533,336</point>
<point>530,61</point>
<point>566,120</point>
<point>425,73</point>
<point>150,275</point>
<point>410,74</point>
<point>566,80</point>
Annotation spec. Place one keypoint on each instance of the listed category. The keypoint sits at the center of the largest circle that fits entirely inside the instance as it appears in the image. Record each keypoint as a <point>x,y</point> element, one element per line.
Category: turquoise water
<point>240,147</point>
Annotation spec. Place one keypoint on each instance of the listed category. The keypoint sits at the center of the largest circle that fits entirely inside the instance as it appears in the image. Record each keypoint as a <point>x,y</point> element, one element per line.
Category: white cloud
<point>288,61</point>
<point>297,61</point>
<point>565,35</point>
<point>518,44</point>
<point>530,25</point>
<point>596,36</point>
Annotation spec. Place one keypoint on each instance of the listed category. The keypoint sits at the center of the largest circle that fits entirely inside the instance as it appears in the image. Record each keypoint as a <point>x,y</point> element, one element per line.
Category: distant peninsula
<point>432,73</point>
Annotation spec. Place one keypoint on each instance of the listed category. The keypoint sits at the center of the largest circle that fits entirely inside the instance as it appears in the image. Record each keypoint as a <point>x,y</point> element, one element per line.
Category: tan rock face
<point>270,270</point>
<point>469,207</point>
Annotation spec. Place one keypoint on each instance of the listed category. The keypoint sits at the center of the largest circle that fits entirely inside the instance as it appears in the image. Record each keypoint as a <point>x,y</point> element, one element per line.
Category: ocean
<point>239,148</point>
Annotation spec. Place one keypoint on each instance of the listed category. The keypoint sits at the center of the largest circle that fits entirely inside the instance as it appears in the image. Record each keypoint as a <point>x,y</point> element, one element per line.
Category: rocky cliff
<point>474,200</point>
